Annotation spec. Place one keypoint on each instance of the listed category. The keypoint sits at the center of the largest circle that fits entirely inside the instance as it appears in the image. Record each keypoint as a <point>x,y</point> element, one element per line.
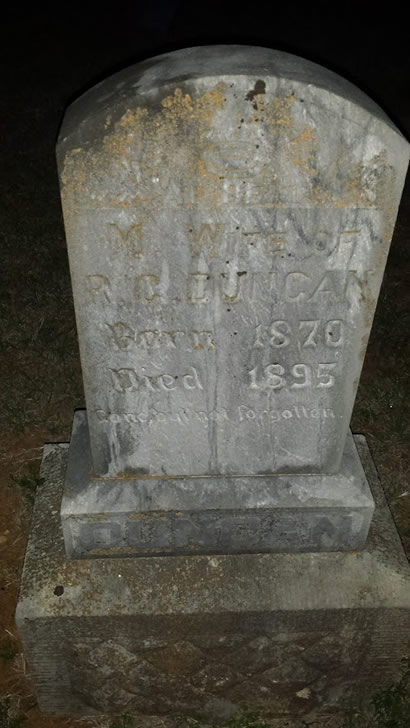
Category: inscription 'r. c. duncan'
<point>233,286</point>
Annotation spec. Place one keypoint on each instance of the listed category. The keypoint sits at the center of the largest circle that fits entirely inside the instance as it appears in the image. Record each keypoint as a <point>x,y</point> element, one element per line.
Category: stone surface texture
<point>228,214</point>
<point>285,634</point>
<point>212,515</point>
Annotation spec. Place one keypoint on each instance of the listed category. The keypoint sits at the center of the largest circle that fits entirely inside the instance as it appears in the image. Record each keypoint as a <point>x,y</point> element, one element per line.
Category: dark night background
<point>53,52</point>
<point>49,54</point>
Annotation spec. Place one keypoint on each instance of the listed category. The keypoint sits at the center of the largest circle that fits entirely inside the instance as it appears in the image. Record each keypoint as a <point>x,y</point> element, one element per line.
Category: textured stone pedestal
<point>215,514</point>
<point>285,634</point>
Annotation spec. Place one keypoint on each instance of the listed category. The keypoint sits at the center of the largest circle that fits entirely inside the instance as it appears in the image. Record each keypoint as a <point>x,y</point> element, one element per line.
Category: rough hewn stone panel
<point>285,634</point>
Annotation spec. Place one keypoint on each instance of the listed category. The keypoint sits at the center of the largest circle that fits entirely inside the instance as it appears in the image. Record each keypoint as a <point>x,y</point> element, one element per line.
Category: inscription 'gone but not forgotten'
<point>228,216</point>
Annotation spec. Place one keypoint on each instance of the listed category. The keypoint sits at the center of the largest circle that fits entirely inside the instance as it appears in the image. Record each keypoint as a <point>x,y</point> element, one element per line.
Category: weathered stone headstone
<point>228,218</point>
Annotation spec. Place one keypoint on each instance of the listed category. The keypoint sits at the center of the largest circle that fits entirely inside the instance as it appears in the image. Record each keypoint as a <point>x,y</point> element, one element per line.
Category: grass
<point>244,719</point>
<point>28,482</point>
<point>124,721</point>
<point>392,706</point>
<point>8,649</point>
<point>389,708</point>
<point>382,408</point>
<point>8,718</point>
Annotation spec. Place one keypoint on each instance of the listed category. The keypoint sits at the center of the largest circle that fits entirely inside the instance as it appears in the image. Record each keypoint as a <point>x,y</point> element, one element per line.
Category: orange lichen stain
<point>303,152</point>
<point>74,176</point>
<point>207,104</point>
<point>208,187</point>
<point>385,192</point>
<point>132,118</point>
<point>278,112</point>
<point>179,106</point>
<point>67,176</point>
<point>141,149</point>
<point>355,191</point>
<point>370,185</point>
<point>118,145</point>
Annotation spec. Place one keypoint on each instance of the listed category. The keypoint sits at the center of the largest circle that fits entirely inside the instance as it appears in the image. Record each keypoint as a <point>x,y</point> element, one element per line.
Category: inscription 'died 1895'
<point>280,334</point>
<point>272,376</point>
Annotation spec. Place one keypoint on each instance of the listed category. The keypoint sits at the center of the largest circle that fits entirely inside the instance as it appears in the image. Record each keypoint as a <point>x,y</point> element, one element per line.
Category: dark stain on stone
<point>59,590</point>
<point>138,471</point>
<point>258,90</point>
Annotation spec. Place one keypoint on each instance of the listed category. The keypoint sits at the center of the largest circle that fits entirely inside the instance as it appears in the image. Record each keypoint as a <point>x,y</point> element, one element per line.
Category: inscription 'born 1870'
<point>306,334</point>
<point>124,337</point>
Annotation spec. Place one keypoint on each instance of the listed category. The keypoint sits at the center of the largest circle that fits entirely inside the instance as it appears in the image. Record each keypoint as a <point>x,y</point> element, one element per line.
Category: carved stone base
<point>212,515</point>
<point>284,634</point>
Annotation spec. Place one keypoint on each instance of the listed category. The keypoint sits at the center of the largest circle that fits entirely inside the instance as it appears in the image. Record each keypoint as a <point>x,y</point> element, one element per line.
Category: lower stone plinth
<point>285,634</point>
<point>214,514</point>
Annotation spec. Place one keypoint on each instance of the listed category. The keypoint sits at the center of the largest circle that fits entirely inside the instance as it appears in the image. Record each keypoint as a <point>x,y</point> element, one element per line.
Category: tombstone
<point>228,214</point>
<point>228,218</point>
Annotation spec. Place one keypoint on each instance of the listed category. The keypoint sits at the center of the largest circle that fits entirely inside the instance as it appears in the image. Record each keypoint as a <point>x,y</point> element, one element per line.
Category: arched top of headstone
<point>228,212</point>
<point>96,111</point>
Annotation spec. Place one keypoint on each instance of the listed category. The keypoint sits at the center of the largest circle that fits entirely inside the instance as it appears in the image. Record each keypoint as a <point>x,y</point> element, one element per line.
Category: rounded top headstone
<point>86,117</point>
<point>228,212</point>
